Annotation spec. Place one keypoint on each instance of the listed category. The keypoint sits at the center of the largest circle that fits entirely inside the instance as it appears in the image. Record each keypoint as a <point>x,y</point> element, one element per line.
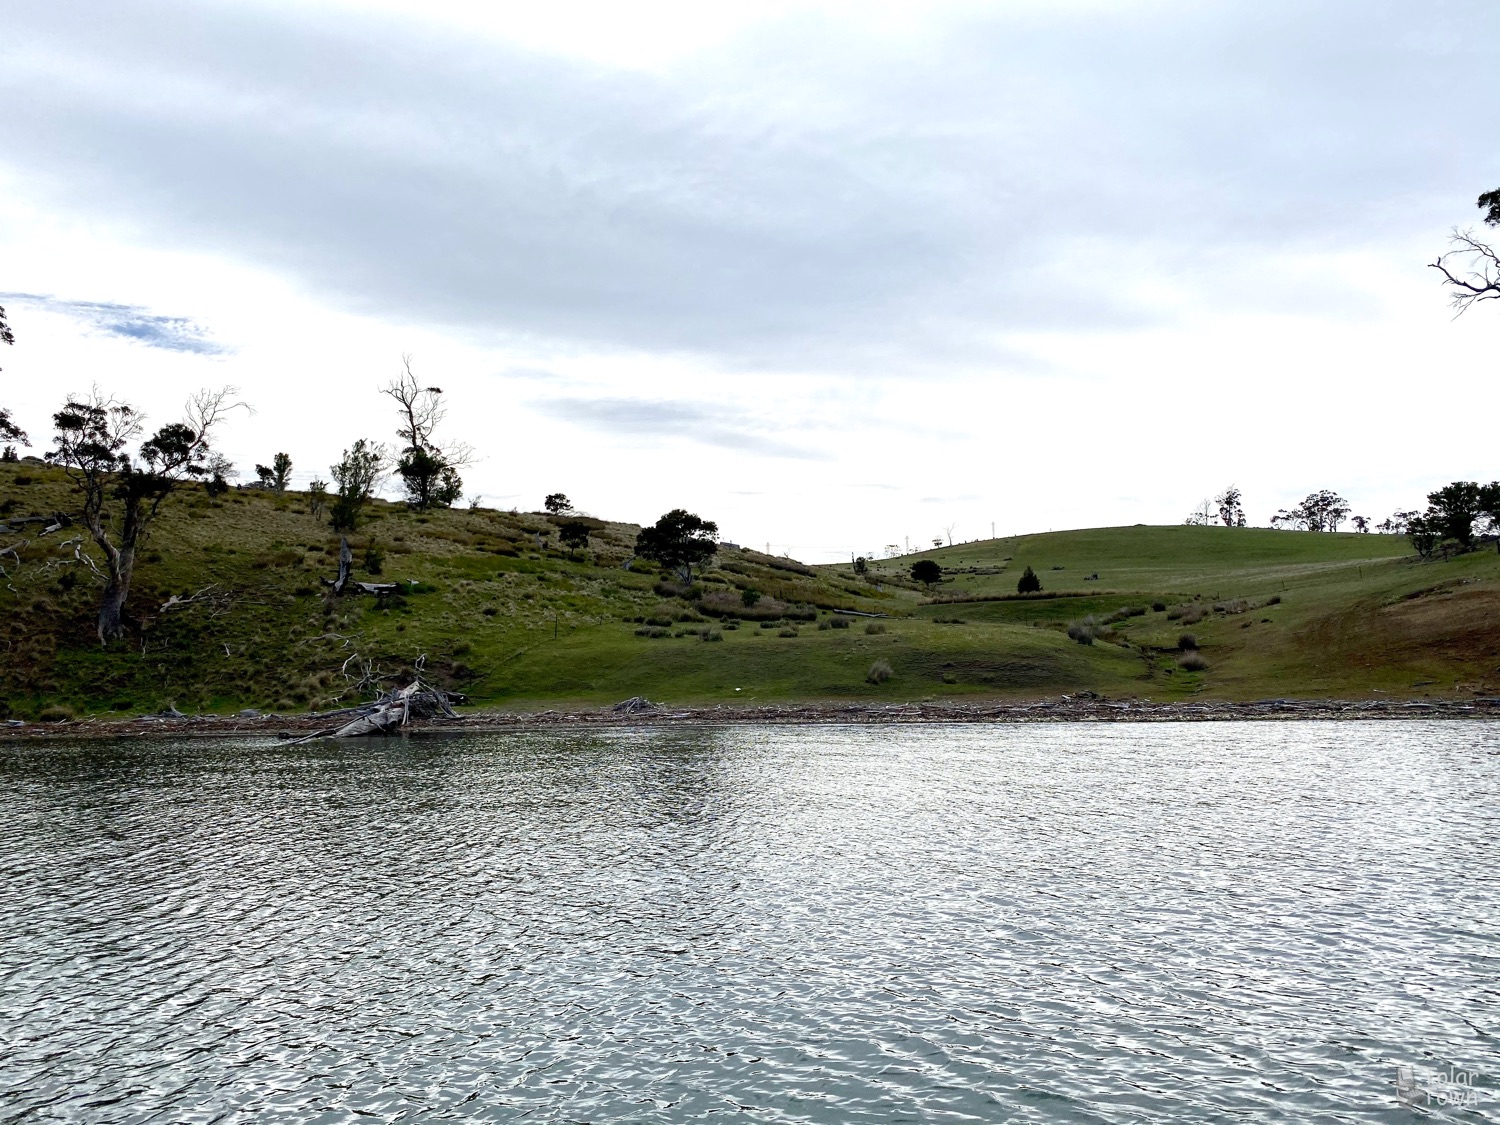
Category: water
<point>1196,922</point>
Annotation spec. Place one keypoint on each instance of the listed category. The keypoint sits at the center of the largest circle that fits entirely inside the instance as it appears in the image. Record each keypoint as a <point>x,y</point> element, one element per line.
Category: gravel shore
<point>1083,707</point>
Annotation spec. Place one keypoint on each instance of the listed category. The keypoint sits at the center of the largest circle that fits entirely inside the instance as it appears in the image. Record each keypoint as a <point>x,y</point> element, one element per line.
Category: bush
<point>1081,633</point>
<point>875,628</point>
<point>1029,583</point>
<point>57,713</point>
<point>709,633</point>
<point>787,632</point>
<point>824,626</point>
<point>879,672</point>
<point>1274,599</point>
<point>1187,642</point>
<point>838,623</point>
<point>770,624</point>
<point>1193,662</point>
<point>1158,607</point>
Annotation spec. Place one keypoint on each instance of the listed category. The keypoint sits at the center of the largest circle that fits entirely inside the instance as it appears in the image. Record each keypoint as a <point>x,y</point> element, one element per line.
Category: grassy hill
<point>496,609</point>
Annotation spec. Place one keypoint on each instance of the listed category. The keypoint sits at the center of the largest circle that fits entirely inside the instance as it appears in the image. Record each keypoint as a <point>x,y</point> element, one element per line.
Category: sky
<point>836,275</point>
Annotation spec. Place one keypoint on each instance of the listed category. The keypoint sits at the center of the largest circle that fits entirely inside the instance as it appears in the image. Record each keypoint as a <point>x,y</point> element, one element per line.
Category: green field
<point>518,624</point>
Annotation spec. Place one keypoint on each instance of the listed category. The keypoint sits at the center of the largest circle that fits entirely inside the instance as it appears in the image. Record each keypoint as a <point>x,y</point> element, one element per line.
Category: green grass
<point>513,625</point>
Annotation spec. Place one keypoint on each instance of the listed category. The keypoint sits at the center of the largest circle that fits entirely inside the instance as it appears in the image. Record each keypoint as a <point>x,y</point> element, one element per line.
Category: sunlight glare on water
<point>1072,922</point>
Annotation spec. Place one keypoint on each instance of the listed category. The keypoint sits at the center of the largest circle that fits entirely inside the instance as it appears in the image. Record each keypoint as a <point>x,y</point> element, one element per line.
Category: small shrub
<point>1175,614</point>
<point>56,713</point>
<point>824,625</point>
<point>1081,633</point>
<point>728,625</point>
<point>787,632</point>
<point>1187,642</point>
<point>374,559</point>
<point>489,611</point>
<point>949,678</point>
<point>839,623</point>
<point>879,672</point>
<point>1193,662</point>
<point>709,633</point>
<point>1158,607</point>
<point>874,628</point>
<point>770,624</point>
<point>1274,599</point>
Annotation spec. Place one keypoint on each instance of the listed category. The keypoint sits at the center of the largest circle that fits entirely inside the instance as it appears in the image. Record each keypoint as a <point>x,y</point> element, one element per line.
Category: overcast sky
<point>836,275</point>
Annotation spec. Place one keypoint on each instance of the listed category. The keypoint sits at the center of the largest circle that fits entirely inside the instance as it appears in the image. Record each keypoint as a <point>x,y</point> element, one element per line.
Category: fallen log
<point>392,711</point>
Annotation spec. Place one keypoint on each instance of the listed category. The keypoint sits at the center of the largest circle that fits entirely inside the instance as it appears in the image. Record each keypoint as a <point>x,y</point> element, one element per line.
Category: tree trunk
<point>112,607</point>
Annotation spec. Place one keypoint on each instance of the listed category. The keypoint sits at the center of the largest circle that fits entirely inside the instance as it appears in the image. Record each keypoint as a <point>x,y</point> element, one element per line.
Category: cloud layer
<point>171,333</point>
<point>819,197</point>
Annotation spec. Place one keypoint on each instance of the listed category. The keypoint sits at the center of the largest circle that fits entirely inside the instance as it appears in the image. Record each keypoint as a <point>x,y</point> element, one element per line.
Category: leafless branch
<point>1478,279</point>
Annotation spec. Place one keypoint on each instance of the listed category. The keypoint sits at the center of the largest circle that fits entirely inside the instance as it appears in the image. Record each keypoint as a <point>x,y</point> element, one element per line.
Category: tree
<point>1452,511</point>
<point>317,496</point>
<point>1478,278</point>
<point>355,478</point>
<point>574,535</point>
<point>1396,523</point>
<point>926,571</point>
<point>1202,515</point>
<point>429,474</point>
<point>123,494</point>
<point>9,431</point>
<point>1319,511</point>
<point>1424,537</point>
<point>1361,525</point>
<point>861,565</point>
<point>679,540</point>
<point>1231,511</point>
<point>220,473</point>
<point>749,596</point>
<point>1489,504</point>
<point>278,475</point>
<point>1029,583</point>
<point>557,504</point>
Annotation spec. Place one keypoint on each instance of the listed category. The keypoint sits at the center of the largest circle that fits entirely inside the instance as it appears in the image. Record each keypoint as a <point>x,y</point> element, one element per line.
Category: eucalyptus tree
<point>123,492</point>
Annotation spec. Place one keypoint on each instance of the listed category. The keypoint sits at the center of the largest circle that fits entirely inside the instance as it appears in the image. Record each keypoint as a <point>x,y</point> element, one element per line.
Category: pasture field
<point>494,607</point>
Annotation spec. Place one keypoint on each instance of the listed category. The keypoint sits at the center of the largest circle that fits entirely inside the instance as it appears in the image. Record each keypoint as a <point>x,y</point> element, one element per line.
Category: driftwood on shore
<point>392,711</point>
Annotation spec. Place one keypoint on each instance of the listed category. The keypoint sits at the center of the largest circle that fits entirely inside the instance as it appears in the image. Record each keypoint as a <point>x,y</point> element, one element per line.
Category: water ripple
<point>1197,922</point>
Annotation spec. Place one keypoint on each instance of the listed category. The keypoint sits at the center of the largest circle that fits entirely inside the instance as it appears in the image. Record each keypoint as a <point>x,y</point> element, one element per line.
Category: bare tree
<point>1478,277</point>
<point>948,531</point>
<point>429,473</point>
<point>1202,515</point>
<point>122,495</point>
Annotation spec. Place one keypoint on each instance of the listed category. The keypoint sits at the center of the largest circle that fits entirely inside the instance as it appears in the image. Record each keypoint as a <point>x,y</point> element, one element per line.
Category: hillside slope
<point>496,609</point>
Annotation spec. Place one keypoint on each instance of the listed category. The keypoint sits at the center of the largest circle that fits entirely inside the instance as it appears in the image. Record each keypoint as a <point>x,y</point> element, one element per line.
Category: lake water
<point>1092,923</point>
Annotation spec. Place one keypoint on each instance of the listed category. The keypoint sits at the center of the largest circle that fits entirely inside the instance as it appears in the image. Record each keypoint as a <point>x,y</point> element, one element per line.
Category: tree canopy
<point>679,540</point>
<point>1028,583</point>
<point>926,571</point>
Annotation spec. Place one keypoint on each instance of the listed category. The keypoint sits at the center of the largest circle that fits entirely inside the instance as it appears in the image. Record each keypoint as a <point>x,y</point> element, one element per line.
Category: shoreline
<point>1079,708</point>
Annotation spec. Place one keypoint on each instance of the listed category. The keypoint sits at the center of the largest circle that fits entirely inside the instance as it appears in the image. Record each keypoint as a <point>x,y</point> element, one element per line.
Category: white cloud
<point>798,265</point>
